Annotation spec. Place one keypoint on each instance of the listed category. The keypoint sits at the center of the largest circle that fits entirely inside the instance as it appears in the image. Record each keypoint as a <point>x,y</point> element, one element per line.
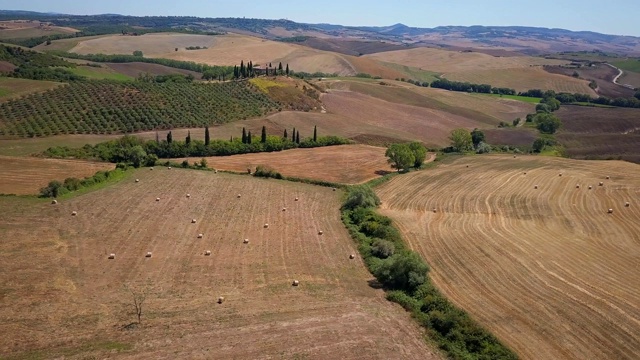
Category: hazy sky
<point>619,17</point>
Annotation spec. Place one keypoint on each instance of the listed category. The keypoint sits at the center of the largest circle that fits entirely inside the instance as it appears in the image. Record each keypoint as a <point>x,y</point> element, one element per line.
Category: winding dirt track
<point>547,270</point>
<point>55,277</point>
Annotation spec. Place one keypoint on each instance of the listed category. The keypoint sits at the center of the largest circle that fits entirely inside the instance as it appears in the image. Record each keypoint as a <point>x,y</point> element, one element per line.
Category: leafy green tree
<point>382,248</point>
<point>207,138</point>
<point>477,137</point>
<point>400,156</point>
<point>263,138</point>
<point>136,155</point>
<point>547,123</point>
<point>461,140</point>
<point>169,137</point>
<point>419,153</point>
<point>138,53</point>
<point>541,143</point>
<point>361,196</point>
<point>402,271</point>
<point>315,133</point>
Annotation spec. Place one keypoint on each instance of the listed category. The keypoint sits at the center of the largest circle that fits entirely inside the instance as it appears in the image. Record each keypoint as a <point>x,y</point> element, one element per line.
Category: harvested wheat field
<point>345,164</point>
<point>25,176</point>
<point>547,270</point>
<point>59,278</point>
<point>151,45</point>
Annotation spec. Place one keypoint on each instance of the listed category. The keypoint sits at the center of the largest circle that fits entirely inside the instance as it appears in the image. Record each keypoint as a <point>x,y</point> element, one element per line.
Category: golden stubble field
<point>62,296</point>
<point>547,270</point>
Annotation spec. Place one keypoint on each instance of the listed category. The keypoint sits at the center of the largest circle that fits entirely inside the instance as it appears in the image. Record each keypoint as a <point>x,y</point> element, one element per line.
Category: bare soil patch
<point>601,73</point>
<point>25,176</point>
<point>345,164</point>
<point>547,270</point>
<point>62,293</point>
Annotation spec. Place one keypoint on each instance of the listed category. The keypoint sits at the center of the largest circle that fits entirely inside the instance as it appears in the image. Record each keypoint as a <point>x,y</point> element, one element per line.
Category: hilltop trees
<point>400,156</point>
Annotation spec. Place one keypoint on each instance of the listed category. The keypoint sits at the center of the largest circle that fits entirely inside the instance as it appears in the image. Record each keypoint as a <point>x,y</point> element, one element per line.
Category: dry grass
<point>345,164</point>
<point>548,270</point>
<point>11,88</point>
<point>151,45</point>
<point>61,292</point>
<point>25,176</point>
<point>24,30</point>
<point>136,68</point>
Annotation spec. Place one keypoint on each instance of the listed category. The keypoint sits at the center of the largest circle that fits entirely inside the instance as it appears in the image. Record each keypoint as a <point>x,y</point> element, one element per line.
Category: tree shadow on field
<point>382,172</point>
<point>375,284</point>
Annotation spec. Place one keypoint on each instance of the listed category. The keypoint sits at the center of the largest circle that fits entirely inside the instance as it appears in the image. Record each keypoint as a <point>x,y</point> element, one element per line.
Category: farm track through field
<point>547,270</point>
<point>77,293</point>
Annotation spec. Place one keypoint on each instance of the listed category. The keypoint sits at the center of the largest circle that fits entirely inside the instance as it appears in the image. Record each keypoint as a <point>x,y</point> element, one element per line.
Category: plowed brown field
<point>547,270</point>
<point>62,297</point>
<point>25,176</point>
<point>346,164</point>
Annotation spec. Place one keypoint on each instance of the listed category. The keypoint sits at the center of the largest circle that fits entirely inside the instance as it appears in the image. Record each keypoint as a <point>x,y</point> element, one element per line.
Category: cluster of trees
<point>56,188</point>
<point>568,98</point>
<point>170,78</point>
<point>196,47</point>
<point>461,86</point>
<point>465,141</point>
<point>37,66</point>
<point>405,156</point>
<point>404,275</point>
<point>137,152</point>
<point>248,71</point>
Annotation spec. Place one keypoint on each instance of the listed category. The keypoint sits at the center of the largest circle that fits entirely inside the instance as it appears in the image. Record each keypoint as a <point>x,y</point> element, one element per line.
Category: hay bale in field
<point>239,196</point>
<point>334,189</point>
<point>320,232</point>
<point>296,199</point>
<point>590,187</point>
<point>514,156</point>
<point>266,226</point>
<point>295,283</point>
<point>137,180</point>
<point>352,256</point>
<point>246,241</point>
<point>150,168</point>
<point>608,177</point>
<point>148,254</point>
<point>215,171</point>
<point>535,186</point>
<point>54,201</point>
<point>169,168</point>
<point>610,211</point>
<point>157,199</point>
<point>207,253</point>
<point>560,174</point>
<point>627,204</point>
<point>112,256</point>
<point>601,183</point>
<point>193,221</point>
<point>434,210</point>
<point>200,236</point>
<point>525,173</point>
<point>284,209</point>
<point>188,196</point>
<point>220,299</point>
<point>577,186</point>
<point>74,213</point>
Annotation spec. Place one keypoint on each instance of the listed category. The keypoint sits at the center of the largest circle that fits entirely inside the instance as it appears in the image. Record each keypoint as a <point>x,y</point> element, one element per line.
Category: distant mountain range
<point>529,40</point>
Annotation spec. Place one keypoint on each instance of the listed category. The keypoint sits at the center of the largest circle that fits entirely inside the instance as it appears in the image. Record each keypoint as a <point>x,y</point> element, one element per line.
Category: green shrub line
<point>404,276</point>
<point>72,186</point>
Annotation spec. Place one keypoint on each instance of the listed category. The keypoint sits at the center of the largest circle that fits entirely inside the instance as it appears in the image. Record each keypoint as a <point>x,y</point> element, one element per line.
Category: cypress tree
<point>280,67</point>
<point>263,138</point>
<point>169,138</point>
<point>231,139</point>
<point>315,133</point>
<point>244,136</point>
<point>285,134</point>
<point>187,140</point>
<point>249,138</point>
<point>298,138</point>
<point>287,71</point>
<point>157,137</point>
<point>207,138</point>
<point>293,135</point>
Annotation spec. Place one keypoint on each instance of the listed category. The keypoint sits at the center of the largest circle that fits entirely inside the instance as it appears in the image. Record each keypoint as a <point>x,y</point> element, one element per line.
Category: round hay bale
<point>239,196</point>
<point>112,256</point>
<point>200,236</point>
<point>352,256</point>
<point>577,186</point>
<point>151,168</point>
<point>608,177</point>
<point>627,204</point>
<point>525,173</point>
<point>467,165</point>
<point>334,189</point>
<point>193,221</point>
<point>295,283</point>
<point>284,209</point>
<point>215,171</point>
<point>54,201</point>
<point>266,226</point>
<point>535,186</point>
<point>297,199</point>
<point>74,213</point>
<point>590,187</point>
<point>148,254</point>
<point>137,180</point>
<point>169,168</point>
<point>220,299</point>
<point>434,210</point>
<point>560,174</point>
<point>188,196</point>
<point>601,183</point>
<point>246,241</point>
<point>610,211</point>
<point>207,253</point>
<point>157,199</point>
<point>320,232</point>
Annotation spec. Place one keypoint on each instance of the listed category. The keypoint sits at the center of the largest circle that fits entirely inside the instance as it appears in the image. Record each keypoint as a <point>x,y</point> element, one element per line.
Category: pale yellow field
<point>547,270</point>
<point>151,45</point>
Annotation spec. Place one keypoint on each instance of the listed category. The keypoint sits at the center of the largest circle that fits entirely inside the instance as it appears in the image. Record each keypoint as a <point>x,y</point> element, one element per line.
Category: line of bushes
<point>404,275</point>
<point>56,188</point>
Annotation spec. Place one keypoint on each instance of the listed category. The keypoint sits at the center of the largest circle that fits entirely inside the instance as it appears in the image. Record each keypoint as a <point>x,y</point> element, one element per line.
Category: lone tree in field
<point>207,137</point>
<point>461,140</point>
<point>477,137</point>
<point>419,152</point>
<point>263,137</point>
<point>169,138</point>
<point>138,298</point>
<point>315,133</point>
<point>400,156</point>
